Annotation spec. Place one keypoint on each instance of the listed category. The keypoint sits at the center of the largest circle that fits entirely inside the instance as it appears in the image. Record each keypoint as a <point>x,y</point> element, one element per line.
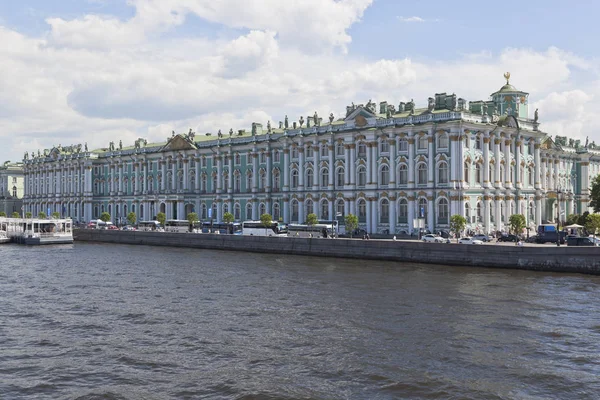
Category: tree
<point>42,215</point>
<point>457,225</point>
<point>266,220</point>
<point>28,215</point>
<point>595,194</point>
<point>351,223</point>
<point>2,214</point>
<point>583,219</point>
<point>517,223</point>
<point>192,219</point>
<point>55,215</point>
<point>105,217</point>
<point>228,217</point>
<point>573,219</point>
<point>593,224</point>
<point>311,219</point>
<point>131,218</point>
<point>16,215</point>
<point>161,218</point>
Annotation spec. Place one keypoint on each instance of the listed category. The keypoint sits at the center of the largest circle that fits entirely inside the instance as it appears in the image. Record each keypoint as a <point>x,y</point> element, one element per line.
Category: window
<point>262,182</point>
<point>477,142</point>
<point>468,212</point>
<point>226,180</point>
<point>276,181</point>
<point>443,141</point>
<point>403,174</point>
<point>214,183</point>
<point>530,176</point>
<point>403,211</point>
<point>14,191</point>
<point>262,209</point>
<point>362,150</point>
<point>276,213</point>
<point>422,142</point>
<point>325,209</point>
<point>324,150</point>
<point>339,208</point>
<point>237,159</point>
<point>249,211</point>
<point>309,151</point>
<point>237,183</point>
<point>248,181</point>
<point>403,145</point>
<point>362,176</point>
<point>362,210</point>
<point>237,212</point>
<point>295,152</point>
<point>422,211</point>
<point>422,174</point>
<point>384,215</point>
<point>294,179</point>
<point>204,162</point>
<point>442,211</point>
<point>324,177</point>
<point>384,175</point>
<point>276,155</point>
<point>466,177</point>
<point>263,158</point>
<point>339,149</point>
<point>479,217</point>
<point>309,178</point>
<point>384,146</point>
<point>294,209</point>
<point>308,208</point>
<point>340,177</point>
<point>478,173</point>
<point>443,172</point>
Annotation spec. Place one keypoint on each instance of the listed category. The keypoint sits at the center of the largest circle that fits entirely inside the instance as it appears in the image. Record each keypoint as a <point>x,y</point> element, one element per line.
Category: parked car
<point>433,238</point>
<point>482,237</point>
<point>531,239</point>
<point>509,238</point>
<point>469,240</point>
<point>581,241</point>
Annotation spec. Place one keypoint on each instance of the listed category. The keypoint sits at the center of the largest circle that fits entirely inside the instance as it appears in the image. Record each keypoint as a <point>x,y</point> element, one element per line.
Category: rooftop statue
<point>535,115</point>
<point>454,102</point>
<point>316,119</point>
<point>331,117</point>
<point>219,134</point>
<point>253,129</point>
<point>269,125</point>
<point>280,124</point>
<point>230,132</point>
<point>86,148</point>
<point>285,124</point>
<point>120,145</point>
<point>33,154</point>
<point>587,141</point>
<point>172,133</point>
<point>430,104</point>
<point>301,121</point>
<point>26,156</point>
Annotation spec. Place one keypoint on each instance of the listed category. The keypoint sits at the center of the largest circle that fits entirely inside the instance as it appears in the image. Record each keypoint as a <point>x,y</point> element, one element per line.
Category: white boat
<point>37,231</point>
<point>3,232</point>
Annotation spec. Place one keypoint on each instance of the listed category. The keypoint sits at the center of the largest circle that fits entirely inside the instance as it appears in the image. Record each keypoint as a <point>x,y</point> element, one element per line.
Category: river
<point>99,321</point>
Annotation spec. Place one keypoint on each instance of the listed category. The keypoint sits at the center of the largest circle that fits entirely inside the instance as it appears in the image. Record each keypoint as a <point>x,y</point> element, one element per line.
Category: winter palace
<point>396,167</point>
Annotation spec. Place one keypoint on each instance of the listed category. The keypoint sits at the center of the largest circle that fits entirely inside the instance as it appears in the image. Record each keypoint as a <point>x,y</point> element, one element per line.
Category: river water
<point>98,321</point>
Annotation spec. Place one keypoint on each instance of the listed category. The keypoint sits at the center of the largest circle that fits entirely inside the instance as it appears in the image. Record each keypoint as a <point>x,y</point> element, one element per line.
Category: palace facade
<point>11,187</point>
<point>396,168</point>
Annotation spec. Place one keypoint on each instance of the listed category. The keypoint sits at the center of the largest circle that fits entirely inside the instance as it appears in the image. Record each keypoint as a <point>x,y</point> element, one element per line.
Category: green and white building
<point>11,187</point>
<point>395,167</point>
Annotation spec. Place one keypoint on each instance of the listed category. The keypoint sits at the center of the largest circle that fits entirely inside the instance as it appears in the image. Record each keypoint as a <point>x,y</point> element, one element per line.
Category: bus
<point>177,225</point>
<point>222,228</point>
<point>147,226</point>
<point>333,225</point>
<point>257,228</point>
<point>317,230</point>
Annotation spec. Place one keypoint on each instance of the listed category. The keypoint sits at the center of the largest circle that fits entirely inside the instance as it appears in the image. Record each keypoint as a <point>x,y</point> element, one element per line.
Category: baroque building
<point>11,187</point>
<point>396,168</point>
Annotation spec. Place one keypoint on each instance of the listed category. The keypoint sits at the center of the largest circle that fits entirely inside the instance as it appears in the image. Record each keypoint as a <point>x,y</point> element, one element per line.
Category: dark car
<point>581,241</point>
<point>508,238</point>
<point>531,239</point>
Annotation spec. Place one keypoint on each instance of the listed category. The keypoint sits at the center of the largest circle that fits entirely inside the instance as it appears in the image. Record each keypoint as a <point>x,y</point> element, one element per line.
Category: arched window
<point>422,211</point>
<point>479,214</point>
<point>361,173</point>
<point>309,152</point>
<point>362,150</point>
<point>294,179</point>
<point>362,210</point>
<point>384,214</point>
<point>324,150</point>
<point>339,149</point>
<point>422,143</point>
<point>402,145</point>
<point>294,152</point>
<point>276,180</point>
<point>339,209</point>
<point>443,141</point>
<point>403,174</point>
<point>237,211</point>
<point>214,183</point>
<point>309,178</point>
<point>237,159</point>
<point>276,213</point>
<point>203,213</point>
<point>294,209</point>
<point>237,183</point>
<point>403,211</point>
<point>478,173</point>
<point>249,211</point>
<point>225,180</point>
<point>262,183</point>
<point>324,177</point>
<point>468,212</point>
<point>422,174</point>
<point>325,209</point>
<point>308,207</point>
<point>384,175</point>
<point>340,177</point>
<point>180,180</point>
<point>384,146</point>
<point>443,172</point>
<point>467,178</point>
<point>262,209</point>
<point>442,211</point>
<point>248,181</point>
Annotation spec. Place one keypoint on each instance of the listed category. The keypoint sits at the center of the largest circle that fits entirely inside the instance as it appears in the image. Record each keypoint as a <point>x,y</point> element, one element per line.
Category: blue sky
<point>98,70</point>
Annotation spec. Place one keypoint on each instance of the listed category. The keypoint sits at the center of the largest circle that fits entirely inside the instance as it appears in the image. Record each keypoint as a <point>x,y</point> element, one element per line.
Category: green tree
<point>161,218</point>
<point>105,217</point>
<point>595,194</point>
<point>2,214</point>
<point>517,223</point>
<point>583,219</point>
<point>351,223</point>
<point>228,217</point>
<point>55,215</point>
<point>42,215</point>
<point>266,220</point>
<point>311,219</point>
<point>457,225</point>
<point>16,215</point>
<point>192,219</point>
<point>131,218</point>
<point>573,219</point>
<point>593,224</point>
<point>27,215</point>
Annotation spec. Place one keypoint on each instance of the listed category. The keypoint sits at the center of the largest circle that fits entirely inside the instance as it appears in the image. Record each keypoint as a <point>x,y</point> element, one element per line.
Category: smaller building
<point>11,187</point>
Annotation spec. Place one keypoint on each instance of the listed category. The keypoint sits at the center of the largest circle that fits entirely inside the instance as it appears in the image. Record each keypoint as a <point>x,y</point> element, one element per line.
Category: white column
<point>255,172</point>
<point>430,214</point>
<point>519,184</point>
<point>536,158</point>
<point>486,162</point>
<point>186,167</point>
<point>393,218</point>
<point>331,167</point>
<point>286,169</point>
<point>269,183</point>
<point>431,163</point>
<point>497,177</point>
<point>219,178</point>
<point>411,165</point>
<point>507,164</point>
<point>347,165</point>
<point>411,213</point>
<point>301,168</point>
<point>392,144</point>
<point>230,175</point>
<point>317,171</point>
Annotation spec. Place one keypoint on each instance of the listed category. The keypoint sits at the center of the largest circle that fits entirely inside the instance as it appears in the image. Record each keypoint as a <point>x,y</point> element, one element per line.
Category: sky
<point>95,71</point>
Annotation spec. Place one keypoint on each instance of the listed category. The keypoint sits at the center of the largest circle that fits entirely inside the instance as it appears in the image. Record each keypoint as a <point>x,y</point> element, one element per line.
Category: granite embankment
<point>537,258</point>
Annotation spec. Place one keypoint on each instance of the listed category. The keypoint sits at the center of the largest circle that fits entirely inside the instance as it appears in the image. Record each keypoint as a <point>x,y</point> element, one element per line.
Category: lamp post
<point>558,192</point>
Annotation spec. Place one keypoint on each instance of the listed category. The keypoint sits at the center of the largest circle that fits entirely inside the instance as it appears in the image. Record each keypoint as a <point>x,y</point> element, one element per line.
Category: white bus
<point>177,225</point>
<point>257,228</point>
<point>315,231</point>
<point>223,228</point>
<point>149,226</point>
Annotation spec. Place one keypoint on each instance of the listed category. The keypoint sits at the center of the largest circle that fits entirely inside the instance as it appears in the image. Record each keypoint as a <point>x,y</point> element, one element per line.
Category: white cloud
<point>411,19</point>
<point>98,79</point>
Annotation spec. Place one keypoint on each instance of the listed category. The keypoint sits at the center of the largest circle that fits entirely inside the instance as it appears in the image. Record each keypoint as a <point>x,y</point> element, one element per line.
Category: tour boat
<point>47,231</point>
<point>3,232</point>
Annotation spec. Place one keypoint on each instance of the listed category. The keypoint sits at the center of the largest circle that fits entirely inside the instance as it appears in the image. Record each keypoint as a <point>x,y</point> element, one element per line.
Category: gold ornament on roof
<point>507,76</point>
